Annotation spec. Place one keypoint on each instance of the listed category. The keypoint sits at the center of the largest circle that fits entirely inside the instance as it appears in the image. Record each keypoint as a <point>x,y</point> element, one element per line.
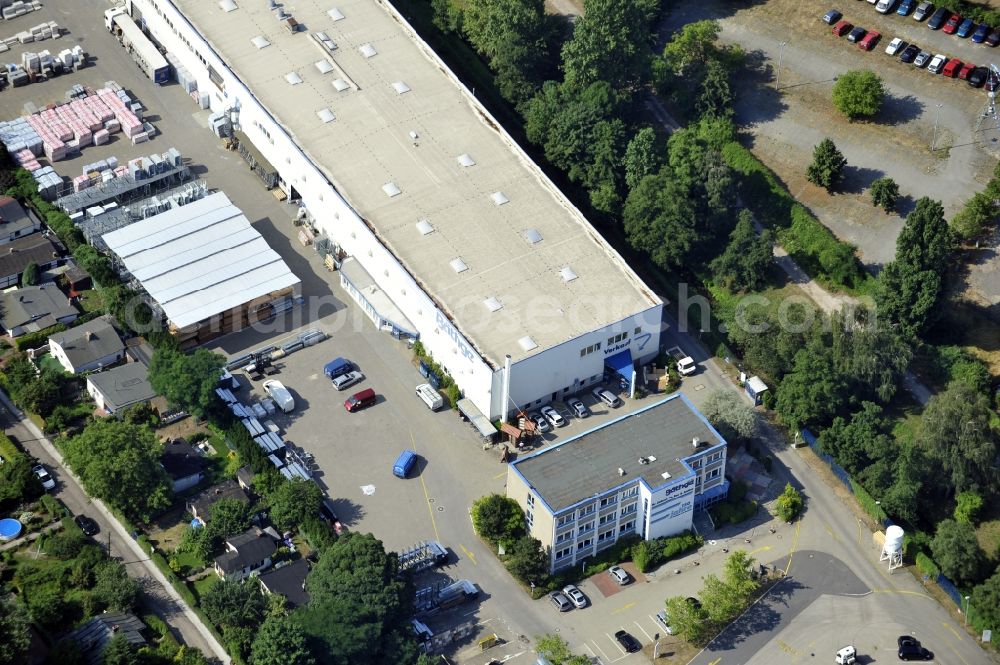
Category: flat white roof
<point>200,259</point>
<point>461,174</point>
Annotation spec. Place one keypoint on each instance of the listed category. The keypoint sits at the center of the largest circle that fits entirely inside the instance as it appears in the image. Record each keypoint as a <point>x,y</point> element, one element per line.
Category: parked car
<point>895,46</point>
<point>869,41</point>
<point>277,391</point>
<point>578,408</point>
<point>832,17</point>
<point>842,28</point>
<point>938,18</point>
<point>905,7</point>
<point>904,641</point>
<point>560,601</point>
<point>951,25</point>
<point>924,9</point>
<point>963,73</point>
<point>619,575</point>
<point>854,36</point>
<point>87,525</point>
<point>629,643</point>
<point>360,400</point>
<point>553,416</point>
<point>575,596</point>
<point>909,53</point>
<point>606,396</point>
<point>663,619</point>
<point>47,481</point>
<point>965,28</point>
<point>915,653</point>
<point>977,77</point>
<point>936,64</point>
<point>541,424</point>
<point>993,38</point>
<point>884,6</point>
<point>347,380</point>
<point>952,68</point>
<point>981,33</point>
<point>922,59</point>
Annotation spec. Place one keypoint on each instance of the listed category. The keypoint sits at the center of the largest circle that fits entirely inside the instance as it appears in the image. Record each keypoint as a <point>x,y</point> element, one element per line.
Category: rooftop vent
<point>340,85</point>
<point>466,160</point>
<point>527,343</point>
<point>400,87</point>
<point>532,236</point>
<point>260,41</point>
<point>367,50</point>
<point>324,66</point>
<point>325,114</point>
<point>293,78</point>
<point>458,265</point>
<point>335,14</point>
<point>391,190</point>
<point>651,458</point>
<point>643,461</point>
<point>695,442</point>
<point>324,40</point>
<point>493,304</point>
<point>567,274</point>
<point>425,227</point>
<point>499,198</point>
<point>621,471</point>
<point>665,475</point>
<point>228,6</point>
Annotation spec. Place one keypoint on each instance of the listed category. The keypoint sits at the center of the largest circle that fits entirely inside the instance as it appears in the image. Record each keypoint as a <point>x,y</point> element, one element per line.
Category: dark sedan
<point>832,17</point>
<point>915,652</point>
<point>977,77</point>
<point>981,33</point>
<point>905,7</point>
<point>938,18</point>
<point>87,525</point>
<point>909,53</point>
<point>629,643</point>
<point>993,38</point>
<point>854,36</point>
<point>965,28</point>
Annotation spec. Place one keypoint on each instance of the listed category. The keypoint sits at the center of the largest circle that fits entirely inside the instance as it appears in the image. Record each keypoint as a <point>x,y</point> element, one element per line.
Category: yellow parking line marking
<point>760,549</point>
<point>902,591</point>
<point>795,542</point>
<point>427,497</point>
<point>952,630</point>
<point>716,661</point>
<point>957,637</point>
<point>623,608</point>
<point>830,531</point>
<point>472,557</point>
<point>500,475</point>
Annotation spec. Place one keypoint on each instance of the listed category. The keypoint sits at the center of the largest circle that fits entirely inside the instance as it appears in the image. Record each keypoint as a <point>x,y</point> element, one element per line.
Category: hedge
<point>8,450</point>
<point>34,340</point>
<point>926,565</point>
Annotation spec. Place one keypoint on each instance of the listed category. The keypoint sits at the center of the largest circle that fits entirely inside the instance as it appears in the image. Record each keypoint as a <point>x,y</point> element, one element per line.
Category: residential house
<point>183,464</point>
<point>34,308</point>
<point>16,255</point>
<point>93,636</point>
<point>288,580</point>
<point>120,387</point>
<point>15,222</point>
<point>93,345</point>
<point>245,478</point>
<point>200,506</point>
<point>246,553</point>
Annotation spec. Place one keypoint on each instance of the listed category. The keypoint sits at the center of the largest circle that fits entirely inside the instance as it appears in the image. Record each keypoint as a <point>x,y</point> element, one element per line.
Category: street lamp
<point>966,611</point>
<point>937,113</point>
<point>781,52</point>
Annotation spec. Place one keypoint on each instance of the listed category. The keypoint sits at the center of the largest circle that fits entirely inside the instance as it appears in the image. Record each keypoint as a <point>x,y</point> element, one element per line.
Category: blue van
<point>336,367</point>
<point>404,463</point>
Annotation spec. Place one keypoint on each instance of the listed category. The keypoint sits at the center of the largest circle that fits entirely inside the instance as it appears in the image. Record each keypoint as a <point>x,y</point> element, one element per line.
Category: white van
<point>279,393</point>
<point>431,397</point>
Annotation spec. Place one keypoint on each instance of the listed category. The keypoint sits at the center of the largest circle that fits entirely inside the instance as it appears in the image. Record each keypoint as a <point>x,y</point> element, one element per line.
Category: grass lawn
<point>189,562</point>
<point>91,301</point>
<point>204,584</point>
<point>48,361</point>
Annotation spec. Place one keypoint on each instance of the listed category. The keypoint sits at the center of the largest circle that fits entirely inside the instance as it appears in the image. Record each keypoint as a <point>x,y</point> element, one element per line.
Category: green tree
<point>978,213</point>
<point>719,602</point>
<point>716,97</point>
<point>986,600</point>
<point>738,575</point>
<point>744,264</point>
<point>47,605</point>
<point>885,193</point>
<point>187,380</point>
<point>815,390</point>
<point>789,503</point>
<point>498,518</point>
<point>120,463</point>
<point>119,651</point>
<point>967,507</point>
<point>512,36</point>
<point>733,417</point>
<point>659,220</point>
<point>858,94</point>
<point>15,636</point>
<point>957,552</point>
<point>611,43</point>
<point>856,442</point>
<point>280,641</point>
<point>294,502</point>
<point>30,275</point>
<point>447,16</point>
<point>692,46</point>
<point>827,168</point>
<point>687,620</point>
<point>18,482</point>
<point>114,589</point>
<point>555,650</point>
<point>235,604</point>
<point>643,157</point>
<point>527,560</point>
<point>956,433</point>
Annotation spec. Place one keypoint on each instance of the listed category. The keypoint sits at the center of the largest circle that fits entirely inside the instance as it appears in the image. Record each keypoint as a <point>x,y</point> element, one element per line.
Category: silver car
<point>347,380</point>
<point>560,601</point>
<point>619,575</point>
<point>607,397</point>
<point>577,407</point>
<point>541,423</point>
<point>553,416</point>
<point>664,620</point>
<point>43,477</point>
<point>575,596</point>
<point>922,59</point>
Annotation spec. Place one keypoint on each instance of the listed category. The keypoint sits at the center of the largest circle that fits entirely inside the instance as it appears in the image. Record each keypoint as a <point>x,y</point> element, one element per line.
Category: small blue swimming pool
<point>10,529</point>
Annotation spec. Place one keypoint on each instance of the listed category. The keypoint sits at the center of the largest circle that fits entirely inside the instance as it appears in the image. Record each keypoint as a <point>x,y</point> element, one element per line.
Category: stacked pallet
<point>183,76</point>
<point>18,135</point>
<point>20,8</point>
<point>130,124</point>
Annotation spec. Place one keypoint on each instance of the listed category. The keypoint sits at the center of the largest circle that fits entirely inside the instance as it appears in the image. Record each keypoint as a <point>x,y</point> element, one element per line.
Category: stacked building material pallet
<point>49,182</point>
<point>19,8</point>
<point>183,76</point>
<point>130,124</point>
<point>18,134</point>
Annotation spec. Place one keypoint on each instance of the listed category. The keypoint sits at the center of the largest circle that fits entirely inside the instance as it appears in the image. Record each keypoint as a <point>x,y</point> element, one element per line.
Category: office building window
<point>630,493</point>
<point>585,544</point>
<point>589,526</point>
<point>565,519</point>
<point>606,535</point>
<point>563,537</point>
<point>608,501</point>
<point>529,517</point>
<point>628,510</point>
<point>563,553</point>
<point>586,511</point>
<point>531,500</point>
<point>627,527</point>
<point>610,517</point>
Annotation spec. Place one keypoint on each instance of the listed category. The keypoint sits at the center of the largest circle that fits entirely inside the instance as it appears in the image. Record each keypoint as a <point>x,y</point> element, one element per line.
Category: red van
<point>361,400</point>
<point>952,68</point>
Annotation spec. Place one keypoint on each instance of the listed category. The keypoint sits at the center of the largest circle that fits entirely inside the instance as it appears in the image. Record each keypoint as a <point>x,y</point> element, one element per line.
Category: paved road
<point>159,596</point>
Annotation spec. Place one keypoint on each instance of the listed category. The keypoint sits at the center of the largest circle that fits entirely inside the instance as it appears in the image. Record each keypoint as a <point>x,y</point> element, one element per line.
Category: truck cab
<point>846,656</point>
<point>110,14</point>
<point>685,363</point>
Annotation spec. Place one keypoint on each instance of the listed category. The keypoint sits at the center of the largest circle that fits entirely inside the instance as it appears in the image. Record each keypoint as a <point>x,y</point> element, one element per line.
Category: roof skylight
<point>458,265</point>
<point>400,87</point>
<point>324,66</point>
<point>367,50</point>
<point>335,14</point>
<point>466,160</point>
<point>493,304</point>
<point>228,5</point>
<point>425,227</point>
<point>340,85</point>
<point>532,236</point>
<point>391,189</point>
<point>567,274</point>
<point>260,41</point>
<point>499,198</point>
<point>325,114</point>
<point>527,343</point>
<point>293,78</point>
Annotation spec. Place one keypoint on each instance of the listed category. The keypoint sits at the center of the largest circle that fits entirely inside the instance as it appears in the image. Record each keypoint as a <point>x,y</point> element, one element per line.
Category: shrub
<point>926,565</point>
<point>37,339</point>
<point>644,556</point>
<point>789,504</point>
<point>677,545</point>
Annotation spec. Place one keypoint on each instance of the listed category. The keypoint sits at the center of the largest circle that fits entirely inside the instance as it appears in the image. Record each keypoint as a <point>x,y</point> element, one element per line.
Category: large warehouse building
<point>451,233</point>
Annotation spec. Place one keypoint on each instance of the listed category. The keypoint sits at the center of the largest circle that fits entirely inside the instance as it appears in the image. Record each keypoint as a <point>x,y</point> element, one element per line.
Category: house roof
<point>200,259</point>
<point>89,342</point>
<point>250,548</point>
<point>289,581</point>
<point>17,254</point>
<point>180,460</point>
<point>34,307</point>
<point>13,217</point>
<point>124,385</point>
<point>94,635</point>
<point>228,489</point>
